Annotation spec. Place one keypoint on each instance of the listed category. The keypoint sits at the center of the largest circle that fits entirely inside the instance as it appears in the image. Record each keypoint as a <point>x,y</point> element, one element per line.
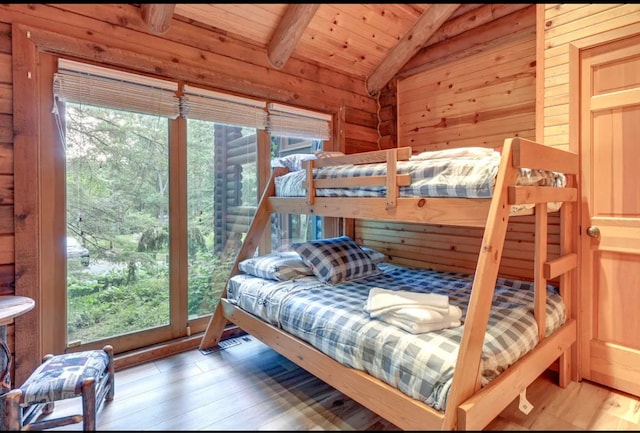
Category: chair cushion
<point>61,377</point>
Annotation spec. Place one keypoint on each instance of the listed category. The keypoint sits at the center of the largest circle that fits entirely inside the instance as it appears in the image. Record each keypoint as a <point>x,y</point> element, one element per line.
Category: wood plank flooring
<point>248,386</point>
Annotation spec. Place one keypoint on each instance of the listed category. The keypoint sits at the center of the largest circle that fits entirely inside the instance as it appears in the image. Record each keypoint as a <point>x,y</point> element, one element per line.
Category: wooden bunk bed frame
<point>469,406</point>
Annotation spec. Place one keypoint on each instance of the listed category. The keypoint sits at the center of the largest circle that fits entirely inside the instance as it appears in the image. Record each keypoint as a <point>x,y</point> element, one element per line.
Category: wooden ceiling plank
<point>286,36</point>
<point>157,16</point>
<point>430,20</point>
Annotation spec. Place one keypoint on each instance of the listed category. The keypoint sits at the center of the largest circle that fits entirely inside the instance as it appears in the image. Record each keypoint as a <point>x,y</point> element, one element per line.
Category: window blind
<point>104,87</point>
<point>202,104</point>
<point>287,121</point>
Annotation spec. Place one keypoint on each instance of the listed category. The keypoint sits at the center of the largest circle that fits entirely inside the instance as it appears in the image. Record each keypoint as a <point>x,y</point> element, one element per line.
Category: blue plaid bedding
<point>332,319</point>
<point>441,177</point>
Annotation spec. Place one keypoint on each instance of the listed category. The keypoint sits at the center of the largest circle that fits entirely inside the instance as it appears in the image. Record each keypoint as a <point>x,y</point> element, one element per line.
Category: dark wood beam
<point>290,28</point>
<point>430,20</point>
<point>157,17</point>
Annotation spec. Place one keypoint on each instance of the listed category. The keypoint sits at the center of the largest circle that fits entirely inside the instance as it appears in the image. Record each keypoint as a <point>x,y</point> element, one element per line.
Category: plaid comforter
<point>441,177</point>
<point>332,319</point>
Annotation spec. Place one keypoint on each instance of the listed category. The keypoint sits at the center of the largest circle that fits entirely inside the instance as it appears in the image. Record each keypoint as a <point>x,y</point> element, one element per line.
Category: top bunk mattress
<point>332,318</point>
<point>464,173</point>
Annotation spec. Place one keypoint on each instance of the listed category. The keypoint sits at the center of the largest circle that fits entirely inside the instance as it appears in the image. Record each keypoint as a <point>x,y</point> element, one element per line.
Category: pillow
<point>455,152</point>
<point>280,266</point>
<point>375,255</point>
<point>335,260</point>
<point>292,162</point>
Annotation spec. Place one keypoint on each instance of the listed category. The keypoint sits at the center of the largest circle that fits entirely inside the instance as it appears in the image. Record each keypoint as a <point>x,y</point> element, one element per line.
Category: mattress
<point>332,319</point>
<point>468,177</point>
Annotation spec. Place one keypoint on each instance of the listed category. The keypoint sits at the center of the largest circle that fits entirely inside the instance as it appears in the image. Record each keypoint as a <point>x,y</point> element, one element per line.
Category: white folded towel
<point>381,301</point>
<point>414,312</point>
<point>420,328</point>
<point>423,315</point>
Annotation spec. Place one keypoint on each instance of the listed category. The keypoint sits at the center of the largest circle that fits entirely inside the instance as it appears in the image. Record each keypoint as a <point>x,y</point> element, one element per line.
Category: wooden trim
<point>451,211</point>
<point>561,265</point>
<point>529,154</point>
<point>540,194</point>
<point>540,258</point>
<point>540,25</point>
<point>26,124</point>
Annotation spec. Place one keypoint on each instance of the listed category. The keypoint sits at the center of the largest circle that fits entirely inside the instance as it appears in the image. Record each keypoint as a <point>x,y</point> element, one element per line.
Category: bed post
<point>468,361</point>
<point>260,221</point>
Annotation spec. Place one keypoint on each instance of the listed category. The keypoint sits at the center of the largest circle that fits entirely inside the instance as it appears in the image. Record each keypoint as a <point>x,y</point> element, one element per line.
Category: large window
<point>160,184</point>
<point>117,181</point>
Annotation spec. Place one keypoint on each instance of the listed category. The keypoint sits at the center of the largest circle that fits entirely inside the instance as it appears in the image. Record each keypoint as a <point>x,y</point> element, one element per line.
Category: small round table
<point>11,306</point>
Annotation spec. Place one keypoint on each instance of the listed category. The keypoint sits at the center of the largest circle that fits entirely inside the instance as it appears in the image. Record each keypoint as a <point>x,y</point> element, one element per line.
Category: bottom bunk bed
<point>337,318</point>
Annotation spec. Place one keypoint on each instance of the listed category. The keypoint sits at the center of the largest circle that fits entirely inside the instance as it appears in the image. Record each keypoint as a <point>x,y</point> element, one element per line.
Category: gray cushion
<point>280,266</point>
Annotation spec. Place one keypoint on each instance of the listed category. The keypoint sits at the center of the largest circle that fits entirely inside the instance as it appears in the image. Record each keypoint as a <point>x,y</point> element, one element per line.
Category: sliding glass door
<point>117,234</point>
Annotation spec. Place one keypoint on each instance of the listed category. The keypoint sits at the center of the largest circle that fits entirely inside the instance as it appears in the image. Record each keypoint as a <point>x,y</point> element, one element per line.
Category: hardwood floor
<point>248,386</point>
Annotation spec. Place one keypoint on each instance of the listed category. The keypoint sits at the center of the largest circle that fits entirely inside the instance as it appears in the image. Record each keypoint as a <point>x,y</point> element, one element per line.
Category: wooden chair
<point>89,374</point>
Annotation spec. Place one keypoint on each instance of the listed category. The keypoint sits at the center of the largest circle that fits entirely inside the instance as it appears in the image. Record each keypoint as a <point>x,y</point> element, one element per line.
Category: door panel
<point>610,235</point>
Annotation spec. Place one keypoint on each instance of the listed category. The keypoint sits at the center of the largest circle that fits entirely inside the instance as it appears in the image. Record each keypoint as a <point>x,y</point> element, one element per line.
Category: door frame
<point>575,53</point>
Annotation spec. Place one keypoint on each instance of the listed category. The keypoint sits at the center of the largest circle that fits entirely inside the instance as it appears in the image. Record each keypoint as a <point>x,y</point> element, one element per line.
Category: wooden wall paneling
<point>6,128</point>
<point>448,248</point>
<point>7,252</point>
<point>490,93</point>
<point>5,68</point>
<point>7,281</point>
<point>6,99</point>
<point>256,21</point>
<point>587,20</point>
<point>5,37</point>
<point>6,189</point>
<point>6,219</point>
<point>453,47</point>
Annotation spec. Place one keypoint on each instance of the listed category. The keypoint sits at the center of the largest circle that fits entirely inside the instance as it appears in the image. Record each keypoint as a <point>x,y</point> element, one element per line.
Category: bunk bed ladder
<point>467,367</point>
<point>260,221</point>
<point>463,399</point>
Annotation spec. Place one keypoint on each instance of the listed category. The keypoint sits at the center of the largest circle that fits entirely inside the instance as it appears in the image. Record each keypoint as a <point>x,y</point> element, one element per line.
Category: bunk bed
<point>471,400</point>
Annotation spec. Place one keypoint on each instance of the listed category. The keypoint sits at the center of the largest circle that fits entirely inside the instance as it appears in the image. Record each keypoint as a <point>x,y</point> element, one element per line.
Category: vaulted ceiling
<point>369,41</point>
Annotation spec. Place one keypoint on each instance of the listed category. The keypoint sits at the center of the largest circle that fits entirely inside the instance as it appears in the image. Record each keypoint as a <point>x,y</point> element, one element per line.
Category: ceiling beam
<point>157,17</point>
<point>430,20</point>
<point>288,32</point>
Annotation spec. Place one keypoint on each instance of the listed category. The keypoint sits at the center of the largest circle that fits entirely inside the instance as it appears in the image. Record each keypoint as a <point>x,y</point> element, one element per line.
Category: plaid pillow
<point>334,260</point>
<point>281,266</point>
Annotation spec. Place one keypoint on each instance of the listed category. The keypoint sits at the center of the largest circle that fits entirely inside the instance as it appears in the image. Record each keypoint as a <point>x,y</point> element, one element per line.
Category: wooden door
<point>610,215</point>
